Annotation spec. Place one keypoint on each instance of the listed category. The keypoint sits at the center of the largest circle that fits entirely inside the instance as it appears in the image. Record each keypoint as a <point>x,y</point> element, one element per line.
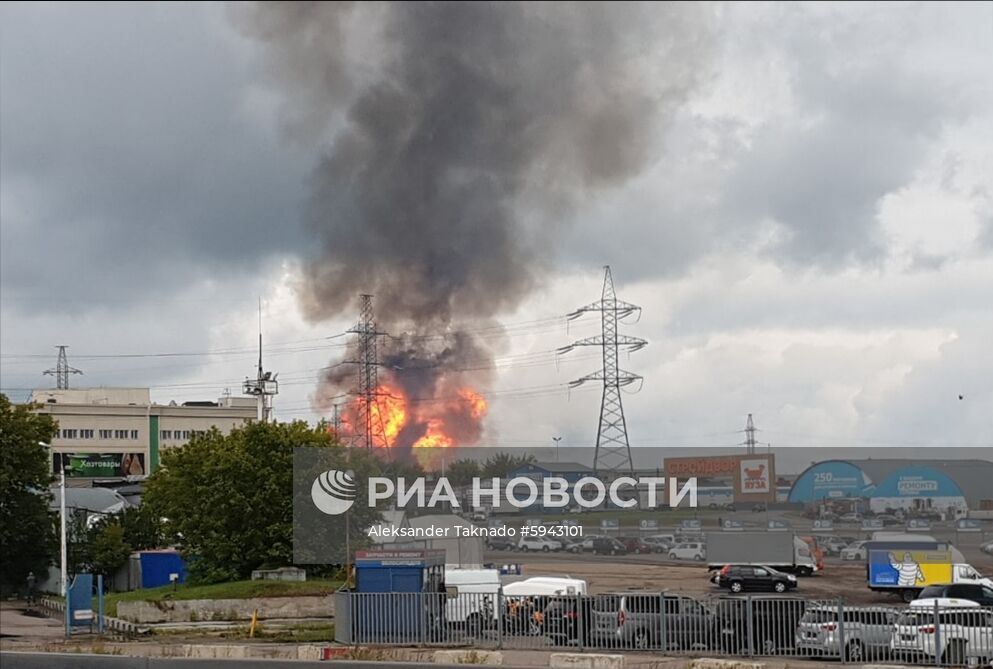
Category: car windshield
<point>819,616</point>
<point>606,603</point>
<point>932,592</point>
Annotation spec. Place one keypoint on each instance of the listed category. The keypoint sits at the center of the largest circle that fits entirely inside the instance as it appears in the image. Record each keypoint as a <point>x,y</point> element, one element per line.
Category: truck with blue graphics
<point>906,571</point>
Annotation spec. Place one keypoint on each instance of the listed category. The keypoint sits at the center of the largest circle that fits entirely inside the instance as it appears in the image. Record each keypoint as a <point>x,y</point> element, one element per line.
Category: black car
<point>749,578</point>
<point>773,624</point>
<point>608,546</point>
<point>565,617</point>
<point>973,592</point>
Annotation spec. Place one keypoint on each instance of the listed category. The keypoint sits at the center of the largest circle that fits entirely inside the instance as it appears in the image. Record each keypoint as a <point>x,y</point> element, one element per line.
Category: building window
<point>69,434</point>
<point>120,434</point>
<point>166,434</point>
<point>86,434</point>
<point>105,434</point>
<point>134,434</point>
<point>186,434</point>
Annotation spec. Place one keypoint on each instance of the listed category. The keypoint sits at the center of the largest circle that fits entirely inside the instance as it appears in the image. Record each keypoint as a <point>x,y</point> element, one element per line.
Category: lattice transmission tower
<point>62,370</point>
<point>613,448</point>
<point>370,421</point>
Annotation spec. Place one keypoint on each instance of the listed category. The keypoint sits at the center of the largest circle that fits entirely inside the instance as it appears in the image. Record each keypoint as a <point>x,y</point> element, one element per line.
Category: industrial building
<point>899,484</point>
<point>120,432</point>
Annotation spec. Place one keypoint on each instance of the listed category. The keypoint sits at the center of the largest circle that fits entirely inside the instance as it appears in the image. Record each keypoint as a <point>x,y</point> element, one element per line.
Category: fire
<point>441,423</point>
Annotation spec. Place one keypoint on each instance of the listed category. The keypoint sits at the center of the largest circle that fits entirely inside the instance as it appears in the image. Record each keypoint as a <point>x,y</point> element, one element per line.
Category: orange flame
<point>393,411</point>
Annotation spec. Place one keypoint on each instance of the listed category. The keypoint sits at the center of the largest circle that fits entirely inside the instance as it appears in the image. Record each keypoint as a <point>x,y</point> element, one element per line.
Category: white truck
<point>783,551</point>
<point>906,570</point>
<point>472,598</point>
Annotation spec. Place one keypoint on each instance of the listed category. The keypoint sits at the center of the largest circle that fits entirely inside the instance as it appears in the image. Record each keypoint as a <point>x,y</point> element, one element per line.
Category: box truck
<point>780,550</point>
<point>907,571</point>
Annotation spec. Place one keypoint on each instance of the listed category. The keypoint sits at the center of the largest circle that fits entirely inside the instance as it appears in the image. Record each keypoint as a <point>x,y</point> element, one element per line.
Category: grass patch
<point>231,590</point>
<point>304,633</point>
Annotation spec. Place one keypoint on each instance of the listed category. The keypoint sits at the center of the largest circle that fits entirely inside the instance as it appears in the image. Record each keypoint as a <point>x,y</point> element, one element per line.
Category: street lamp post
<point>556,440</point>
<point>348,540</point>
<point>64,566</point>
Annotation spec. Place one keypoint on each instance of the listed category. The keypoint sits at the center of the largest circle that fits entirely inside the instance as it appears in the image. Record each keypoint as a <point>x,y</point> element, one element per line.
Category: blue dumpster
<point>399,596</point>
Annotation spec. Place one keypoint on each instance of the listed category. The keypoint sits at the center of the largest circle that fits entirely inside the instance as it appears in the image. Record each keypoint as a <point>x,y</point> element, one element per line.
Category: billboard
<point>98,465</point>
<point>909,568</point>
<point>752,477</point>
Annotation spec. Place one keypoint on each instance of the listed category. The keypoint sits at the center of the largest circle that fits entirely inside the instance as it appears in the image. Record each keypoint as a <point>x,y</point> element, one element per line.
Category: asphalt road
<point>9,660</point>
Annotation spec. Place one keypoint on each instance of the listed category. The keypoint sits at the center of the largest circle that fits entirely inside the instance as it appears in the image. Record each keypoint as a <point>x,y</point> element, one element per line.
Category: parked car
<point>970,592</point>
<point>961,634</point>
<point>864,631</point>
<point>583,546</point>
<point>851,519</point>
<point>834,545</point>
<point>543,544</point>
<point>640,619</point>
<point>639,546</point>
<point>479,516</point>
<point>608,546</point>
<point>658,544</point>
<point>501,543</point>
<point>855,551</point>
<point>748,578</point>
<point>888,520</point>
<point>759,508</point>
<point>987,548</point>
<point>666,539</point>
<point>561,620</point>
<point>690,550</point>
<point>774,620</point>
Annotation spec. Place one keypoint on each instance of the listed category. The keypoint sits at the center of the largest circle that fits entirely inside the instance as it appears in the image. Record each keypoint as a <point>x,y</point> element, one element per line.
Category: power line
<point>62,370</point>
<point>613,448</point>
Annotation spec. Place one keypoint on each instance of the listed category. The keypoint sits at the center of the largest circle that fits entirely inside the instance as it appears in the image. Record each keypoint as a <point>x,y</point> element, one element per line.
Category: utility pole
<point>264,386</point>
<point>613,448</point>
<point>62,370</point>
<point>370,416</point>
<point>750,436</point>
<point>556,440</point>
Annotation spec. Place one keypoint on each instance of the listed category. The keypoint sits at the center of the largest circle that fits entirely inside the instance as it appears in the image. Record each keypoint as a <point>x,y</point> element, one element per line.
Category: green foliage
<point>142,528</point>
<point>502,464</point>
<point>228,499</point>
<point>461,472</point>
<point>108,551</point>
<point>28,540</point>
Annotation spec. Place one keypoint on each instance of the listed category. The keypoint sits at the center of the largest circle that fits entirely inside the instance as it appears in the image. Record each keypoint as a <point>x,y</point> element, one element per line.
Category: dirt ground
<point>842,580</point>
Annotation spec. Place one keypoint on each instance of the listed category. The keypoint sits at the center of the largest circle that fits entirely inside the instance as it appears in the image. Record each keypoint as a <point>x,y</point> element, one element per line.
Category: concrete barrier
<point>586,661</point>
<point>468,657</point>
<point>197,610</point>
<point>720,663</point>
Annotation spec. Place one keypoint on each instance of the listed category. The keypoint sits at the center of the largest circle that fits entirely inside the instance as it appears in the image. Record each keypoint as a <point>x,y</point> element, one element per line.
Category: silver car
<point>863,634</point>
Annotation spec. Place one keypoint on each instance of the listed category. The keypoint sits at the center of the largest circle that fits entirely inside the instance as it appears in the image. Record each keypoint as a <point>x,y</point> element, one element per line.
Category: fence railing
<point>745,625</point>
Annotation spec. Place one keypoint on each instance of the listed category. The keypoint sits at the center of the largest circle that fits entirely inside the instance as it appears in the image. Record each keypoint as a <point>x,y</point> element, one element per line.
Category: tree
<point>461,472</point>
<point>142,528</point>
<point>106,549</point>
<point>228,499</point>
<point>27,528</point>
<point>501,464</point>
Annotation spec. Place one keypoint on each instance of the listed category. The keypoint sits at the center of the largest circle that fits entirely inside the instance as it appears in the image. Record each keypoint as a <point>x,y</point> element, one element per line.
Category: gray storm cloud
<point>459,135</point>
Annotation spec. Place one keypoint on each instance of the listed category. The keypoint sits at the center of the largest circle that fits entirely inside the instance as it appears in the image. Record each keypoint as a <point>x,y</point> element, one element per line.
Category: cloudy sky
<point>808,226</point>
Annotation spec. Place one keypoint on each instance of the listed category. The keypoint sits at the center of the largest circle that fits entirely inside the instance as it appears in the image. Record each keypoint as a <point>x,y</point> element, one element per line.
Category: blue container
<point>158,566</point>
<point>420,574</point>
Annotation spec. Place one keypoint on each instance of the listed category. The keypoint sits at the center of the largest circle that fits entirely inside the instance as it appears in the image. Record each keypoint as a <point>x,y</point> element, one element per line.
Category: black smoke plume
<point>460,135</point>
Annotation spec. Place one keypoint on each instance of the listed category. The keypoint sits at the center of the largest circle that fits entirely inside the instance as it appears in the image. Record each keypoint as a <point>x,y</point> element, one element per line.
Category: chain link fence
<point>739,626</point>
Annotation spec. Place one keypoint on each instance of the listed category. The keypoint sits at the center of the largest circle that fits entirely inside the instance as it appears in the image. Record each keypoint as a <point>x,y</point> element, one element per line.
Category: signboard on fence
<point>968,525</point>
<point>918,525</point>
<point>609,524</point>
<point>779,526</point>
<point>733,526</point>
<point>648,525</point>
<point>823,525</point>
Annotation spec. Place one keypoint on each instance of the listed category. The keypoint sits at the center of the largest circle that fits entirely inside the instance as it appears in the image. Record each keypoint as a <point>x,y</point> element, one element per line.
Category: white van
<point>545,585</point>
<point>472,595</point>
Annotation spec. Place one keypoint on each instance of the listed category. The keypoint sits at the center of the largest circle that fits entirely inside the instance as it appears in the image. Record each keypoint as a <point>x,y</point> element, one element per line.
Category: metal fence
<point>741,626</point>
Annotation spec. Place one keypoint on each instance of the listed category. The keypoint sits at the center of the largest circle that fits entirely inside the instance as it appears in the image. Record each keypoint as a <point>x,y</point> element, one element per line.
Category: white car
<point>987,548</point>
<point>855,551</point>
<point>691,550</point>
<point>961,635</point>
<point>543,544</point>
